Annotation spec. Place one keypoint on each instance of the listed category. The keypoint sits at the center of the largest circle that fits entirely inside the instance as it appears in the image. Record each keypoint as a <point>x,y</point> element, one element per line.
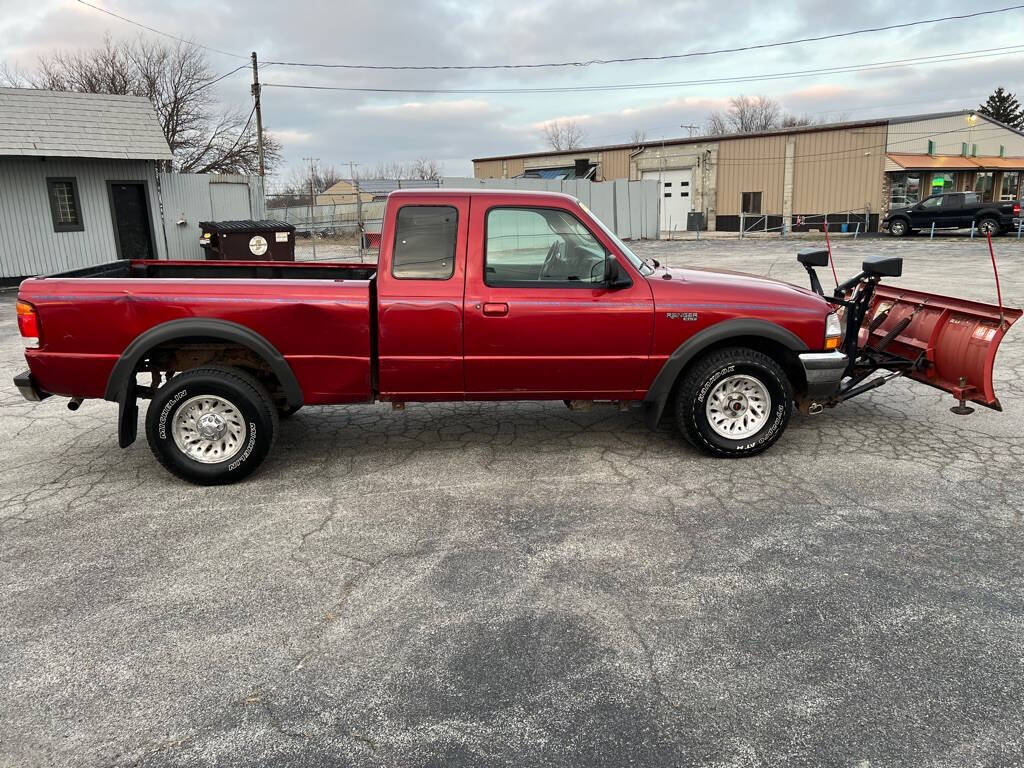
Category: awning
<point>954,162</point>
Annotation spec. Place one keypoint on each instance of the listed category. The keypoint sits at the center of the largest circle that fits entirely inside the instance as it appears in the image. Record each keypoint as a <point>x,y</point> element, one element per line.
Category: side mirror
<point>614,275</point>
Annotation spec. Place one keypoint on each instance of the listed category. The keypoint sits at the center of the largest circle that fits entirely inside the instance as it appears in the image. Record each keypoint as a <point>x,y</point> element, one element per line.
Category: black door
<point>131,220</point>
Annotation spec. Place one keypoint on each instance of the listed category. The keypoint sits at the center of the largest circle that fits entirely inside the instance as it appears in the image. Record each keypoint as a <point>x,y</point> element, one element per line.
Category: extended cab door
<point>928,210</point>
<point>420,280</point>
<point>540,320</point>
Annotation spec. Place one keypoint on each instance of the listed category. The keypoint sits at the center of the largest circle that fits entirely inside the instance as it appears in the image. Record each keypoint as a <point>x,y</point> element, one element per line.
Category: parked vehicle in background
<point>481,295</point>
<point>953,210</point>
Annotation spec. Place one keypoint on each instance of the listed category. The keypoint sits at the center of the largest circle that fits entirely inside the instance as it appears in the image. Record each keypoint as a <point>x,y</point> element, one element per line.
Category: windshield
<point>642,266</point>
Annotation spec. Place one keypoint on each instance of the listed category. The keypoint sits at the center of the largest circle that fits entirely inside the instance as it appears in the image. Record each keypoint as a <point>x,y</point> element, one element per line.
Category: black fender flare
<point>121,384</point>
<point>657,396</point>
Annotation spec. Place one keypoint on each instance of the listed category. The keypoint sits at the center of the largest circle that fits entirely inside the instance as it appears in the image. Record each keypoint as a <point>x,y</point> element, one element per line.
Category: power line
<point>668,57</point>
<point>218,79</point>
<point>159,32</point>
<point>892,64</point>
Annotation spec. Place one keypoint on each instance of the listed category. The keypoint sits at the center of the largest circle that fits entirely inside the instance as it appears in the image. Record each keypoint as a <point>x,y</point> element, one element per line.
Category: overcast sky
<point>366,128</point>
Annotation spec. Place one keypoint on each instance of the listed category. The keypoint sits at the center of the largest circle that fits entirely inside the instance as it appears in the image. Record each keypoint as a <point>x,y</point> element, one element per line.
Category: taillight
<point>1016,209</point>
<point>28,324</point>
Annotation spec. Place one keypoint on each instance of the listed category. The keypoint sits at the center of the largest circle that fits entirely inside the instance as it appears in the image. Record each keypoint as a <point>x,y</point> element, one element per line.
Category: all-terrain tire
<point>988,225</point>
<point>757,382</point>
<point>244,406</point>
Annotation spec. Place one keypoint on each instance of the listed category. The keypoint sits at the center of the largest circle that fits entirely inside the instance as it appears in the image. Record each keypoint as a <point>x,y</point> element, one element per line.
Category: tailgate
<point>958,337</point>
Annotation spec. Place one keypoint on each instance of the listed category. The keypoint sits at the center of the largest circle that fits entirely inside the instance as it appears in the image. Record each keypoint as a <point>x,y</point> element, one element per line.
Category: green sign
<point>939,182</point>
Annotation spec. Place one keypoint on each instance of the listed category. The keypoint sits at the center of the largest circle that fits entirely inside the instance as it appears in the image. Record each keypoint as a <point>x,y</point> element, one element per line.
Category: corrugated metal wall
<point>28,244</point>
<point>949,134</point>
<point>836,171</point>
<point>487,169</point>
<point>193,197</point>
<point>613,164</point>
<point>629,208</point>
<point>751,165</point>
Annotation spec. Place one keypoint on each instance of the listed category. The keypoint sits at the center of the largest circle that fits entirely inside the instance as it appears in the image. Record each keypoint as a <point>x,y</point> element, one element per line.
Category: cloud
<point>452,128</point>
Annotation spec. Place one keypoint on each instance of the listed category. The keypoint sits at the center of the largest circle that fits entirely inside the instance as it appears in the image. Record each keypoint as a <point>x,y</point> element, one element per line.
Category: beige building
<point>341,193</point>
<point>850,172</point>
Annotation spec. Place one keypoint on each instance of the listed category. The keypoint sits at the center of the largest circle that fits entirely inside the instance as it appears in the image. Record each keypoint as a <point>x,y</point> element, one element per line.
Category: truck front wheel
<point>899,227</point>
<point>211,426</point>
<point>734,402</point>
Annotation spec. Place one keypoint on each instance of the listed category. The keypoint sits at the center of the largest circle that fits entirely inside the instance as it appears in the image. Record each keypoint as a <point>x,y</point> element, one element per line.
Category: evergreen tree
<point>1004,107</point>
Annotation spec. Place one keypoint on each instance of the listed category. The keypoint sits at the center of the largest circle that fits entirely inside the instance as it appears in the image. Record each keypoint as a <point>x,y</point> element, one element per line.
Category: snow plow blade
<point>957,338</point>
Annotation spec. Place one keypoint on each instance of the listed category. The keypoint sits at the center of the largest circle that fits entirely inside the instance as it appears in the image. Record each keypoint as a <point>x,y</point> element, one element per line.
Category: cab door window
<point>541,247</point>
<point>425,238</point>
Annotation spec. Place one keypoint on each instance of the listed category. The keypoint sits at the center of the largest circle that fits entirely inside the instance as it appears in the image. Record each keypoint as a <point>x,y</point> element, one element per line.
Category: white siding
<point>28,244</point>
<point>950,133</point>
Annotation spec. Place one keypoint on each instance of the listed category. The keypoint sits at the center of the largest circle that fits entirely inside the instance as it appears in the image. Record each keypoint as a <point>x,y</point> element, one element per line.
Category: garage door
<point>676,197</point>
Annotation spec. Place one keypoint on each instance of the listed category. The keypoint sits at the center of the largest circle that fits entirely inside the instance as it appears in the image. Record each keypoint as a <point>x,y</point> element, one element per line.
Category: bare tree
<point>748,114</point>
<point>13,77</point>
<point>176,79</point>
<point>425,168</point>
<point>789,120</point>
<point>296,190</point>
<point>717,124</point>
<point>639,136</point>
<point>564,134</point>
<point>420,168</point>
<point>392,171</point>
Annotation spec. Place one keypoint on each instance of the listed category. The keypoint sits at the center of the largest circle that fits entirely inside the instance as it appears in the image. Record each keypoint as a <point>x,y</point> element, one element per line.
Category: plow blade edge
<point>958,338</point>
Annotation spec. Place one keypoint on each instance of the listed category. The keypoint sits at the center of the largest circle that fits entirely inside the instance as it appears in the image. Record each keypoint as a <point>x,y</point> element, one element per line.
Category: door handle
<point>495,309</point>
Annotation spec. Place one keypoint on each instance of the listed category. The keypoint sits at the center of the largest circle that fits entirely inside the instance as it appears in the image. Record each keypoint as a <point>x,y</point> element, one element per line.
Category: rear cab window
<point>425,241</point>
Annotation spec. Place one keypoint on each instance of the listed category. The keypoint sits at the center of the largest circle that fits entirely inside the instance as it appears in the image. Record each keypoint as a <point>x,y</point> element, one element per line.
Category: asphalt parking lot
<point>520,584</point>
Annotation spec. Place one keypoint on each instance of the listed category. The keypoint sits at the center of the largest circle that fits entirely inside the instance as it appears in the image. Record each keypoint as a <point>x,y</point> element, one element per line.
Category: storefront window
<point>983,186</point>
<point>1010,189</point>
<point>943,182</point>
<point>906,190</point>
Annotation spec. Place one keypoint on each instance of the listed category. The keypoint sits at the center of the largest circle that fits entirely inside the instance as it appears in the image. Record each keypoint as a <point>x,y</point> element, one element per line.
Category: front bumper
<point>29,388</point>
<point>824,373</point>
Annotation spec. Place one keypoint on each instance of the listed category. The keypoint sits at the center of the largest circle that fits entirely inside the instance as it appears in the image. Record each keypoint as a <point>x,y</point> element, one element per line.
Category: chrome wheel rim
<point>897,227</point>
<point>208,429</point>
<point>738,407</point>
<point>987,227</point>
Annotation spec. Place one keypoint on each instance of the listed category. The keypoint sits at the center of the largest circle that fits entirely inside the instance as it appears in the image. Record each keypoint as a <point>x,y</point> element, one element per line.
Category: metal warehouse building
<point>851,171</point>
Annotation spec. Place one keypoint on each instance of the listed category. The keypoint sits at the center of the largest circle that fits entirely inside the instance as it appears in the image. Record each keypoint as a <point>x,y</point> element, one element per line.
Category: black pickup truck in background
<point>954,210</point>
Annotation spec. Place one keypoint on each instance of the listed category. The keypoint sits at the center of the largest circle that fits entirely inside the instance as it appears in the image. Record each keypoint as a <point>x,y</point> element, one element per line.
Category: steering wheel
<point>550,259</point>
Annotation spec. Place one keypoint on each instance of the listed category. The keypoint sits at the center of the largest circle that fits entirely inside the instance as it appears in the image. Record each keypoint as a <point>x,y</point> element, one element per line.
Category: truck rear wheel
<point>988,226</point>
<point>734,402</point>
<point>211,426</point>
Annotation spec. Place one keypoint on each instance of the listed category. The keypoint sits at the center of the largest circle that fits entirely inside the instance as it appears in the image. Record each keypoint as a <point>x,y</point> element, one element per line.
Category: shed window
<point>751,202</point>
<point>425,238</point>
<point>64,205</point>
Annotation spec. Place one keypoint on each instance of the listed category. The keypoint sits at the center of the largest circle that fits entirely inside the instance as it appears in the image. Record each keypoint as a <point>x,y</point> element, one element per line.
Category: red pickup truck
<point>478,295</point>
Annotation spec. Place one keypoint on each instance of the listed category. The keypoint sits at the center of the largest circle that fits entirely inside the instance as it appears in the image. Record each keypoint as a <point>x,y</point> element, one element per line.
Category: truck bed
<point>317,316</point>
<point>253,270</point>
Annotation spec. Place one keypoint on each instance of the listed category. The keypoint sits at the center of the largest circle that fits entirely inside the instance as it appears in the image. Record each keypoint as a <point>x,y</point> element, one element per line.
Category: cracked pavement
<point>515,583</point>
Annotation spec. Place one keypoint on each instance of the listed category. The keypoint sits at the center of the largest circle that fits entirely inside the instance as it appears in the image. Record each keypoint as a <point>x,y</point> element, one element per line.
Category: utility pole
<point>259,113</point>
<point>359,207</point>
<point>690,129</point>
<point>312,203</point>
